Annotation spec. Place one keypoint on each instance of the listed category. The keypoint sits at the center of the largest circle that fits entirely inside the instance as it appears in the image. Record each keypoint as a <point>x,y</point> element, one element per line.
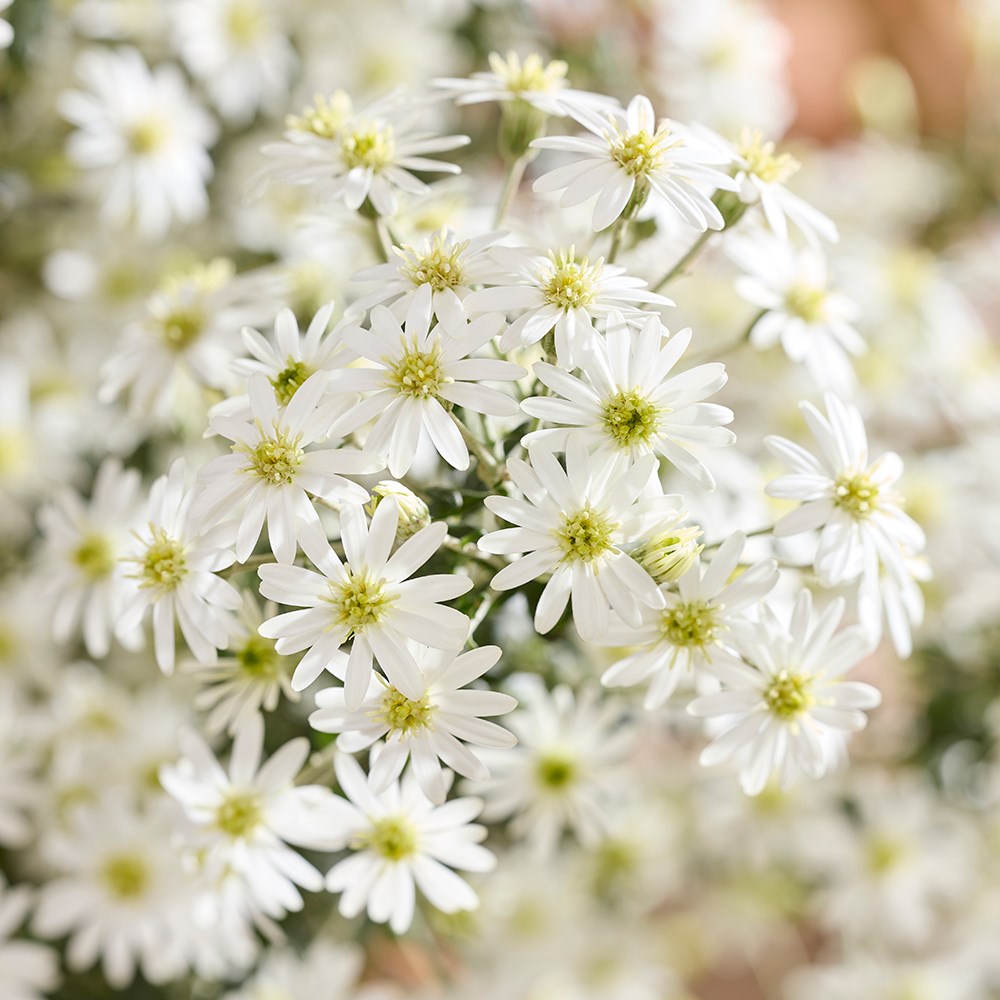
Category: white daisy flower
<point>577,525</point>
<point>625,401</point>
<point>450,266</point>
<point>185,341</point>
<point>367,154</point>
<point>6,31</point>
<point>565,772</point>
<point>629,156</point>
<point>251,679</point>
<point>290,357</point>
<point>419,371</point>
<point>20,786</point>
<point>786,712</point>
<point>702,619</point>
<point>761,174</point>
<point>28,970</point>
<point>143,138</point>
<point>85,543</point>
<point>850,498</point>
<point>237,49</point>
<point>400,842</point>
<point>558,291</point>
<point>175,575</point>
<point>326,969</point>
<point>427,731</point>
<point>541,84</point>
<point>271,471</point>
<point>813,323</point>
<point>371,602</point>
<point>121,894</point>
<point>246,817</point>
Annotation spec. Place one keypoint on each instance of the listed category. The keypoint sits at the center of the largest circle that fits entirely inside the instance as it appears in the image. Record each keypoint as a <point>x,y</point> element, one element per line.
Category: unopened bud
<point>413,512</point>
<point>669,554</point>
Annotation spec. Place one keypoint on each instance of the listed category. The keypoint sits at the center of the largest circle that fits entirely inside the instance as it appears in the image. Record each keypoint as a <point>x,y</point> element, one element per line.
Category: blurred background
<point>881,882</point>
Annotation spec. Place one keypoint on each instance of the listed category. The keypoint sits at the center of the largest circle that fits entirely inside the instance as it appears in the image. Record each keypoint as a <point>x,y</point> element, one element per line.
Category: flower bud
<point>669,554</point>
<point>413,512</point>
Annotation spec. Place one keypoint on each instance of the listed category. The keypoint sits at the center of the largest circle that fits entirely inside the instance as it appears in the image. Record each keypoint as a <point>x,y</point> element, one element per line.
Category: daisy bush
<point>470,476</point>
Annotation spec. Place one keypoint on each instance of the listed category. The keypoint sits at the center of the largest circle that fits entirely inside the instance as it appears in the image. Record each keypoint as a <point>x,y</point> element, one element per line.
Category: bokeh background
<point>881,882</point>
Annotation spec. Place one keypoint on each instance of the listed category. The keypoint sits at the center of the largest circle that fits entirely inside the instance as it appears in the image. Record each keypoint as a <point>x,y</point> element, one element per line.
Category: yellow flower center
<point>239,814</point>
<point>94,556</point>
<point>806,302</point>
<point>788,695</point>
<point>148,136</point>
<point>569,283</point>
<point>360,601</point>
<point>181,326</point>
<point>693,625</point>
<point>163,565</point>
<point>531,76</point>
<point>324,117</point>
<point>763,161</point>
<point>586,535</point>
<point>274,459</point>
<point>858,495</point>
<point>440,266</point>
<point>555,771</point>
<point>404,715</point>
<point>418,373</point>
<point>631,419</point>
<point>288,381</point>
<point>370,145</point>
<point>884,852</point>
<point>392,837</point>
<point>126,876</point>
<point>244,22</point>
<point>639,153</point>
<point>259,660</point>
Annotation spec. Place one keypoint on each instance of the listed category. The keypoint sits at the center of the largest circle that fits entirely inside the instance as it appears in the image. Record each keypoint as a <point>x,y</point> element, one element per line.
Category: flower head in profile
<point>142,137</point>
<point>370,601</point>
<point>630,156</point>
<point>426,731</point>
<point>626,401</point>
<point>399,842</point>
<point>787,709</point>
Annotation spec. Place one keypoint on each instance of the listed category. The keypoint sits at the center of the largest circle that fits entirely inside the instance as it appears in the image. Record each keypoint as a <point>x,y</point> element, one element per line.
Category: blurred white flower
<point>401,841</point>
<point>626,401</point>
<point>813,323</point>
<point>244,818</point>
<point>6,31</point>
<point>360,155</point>
<point>630,155</point>
<point>426,731</point>
<point>86,542</point>
<point>370,601</point>
<point>174,574</point>
<point>326,969</point>
<point>142,137</point>
<point>28,970</point>
<point>237,49</point>
<point>777,714</point>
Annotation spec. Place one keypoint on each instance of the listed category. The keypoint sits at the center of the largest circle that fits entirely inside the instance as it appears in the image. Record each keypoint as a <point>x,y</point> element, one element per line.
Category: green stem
<point>744,338</point>
<point>693,251</point>
<point>491,470</point>
<point>512,182</point>
<point>617,234</point>
<point>749,534</point>
<point>472,552</point>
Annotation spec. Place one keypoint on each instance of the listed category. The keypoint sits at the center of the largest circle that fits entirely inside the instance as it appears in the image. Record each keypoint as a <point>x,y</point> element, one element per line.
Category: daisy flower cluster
<point>450,541</point>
